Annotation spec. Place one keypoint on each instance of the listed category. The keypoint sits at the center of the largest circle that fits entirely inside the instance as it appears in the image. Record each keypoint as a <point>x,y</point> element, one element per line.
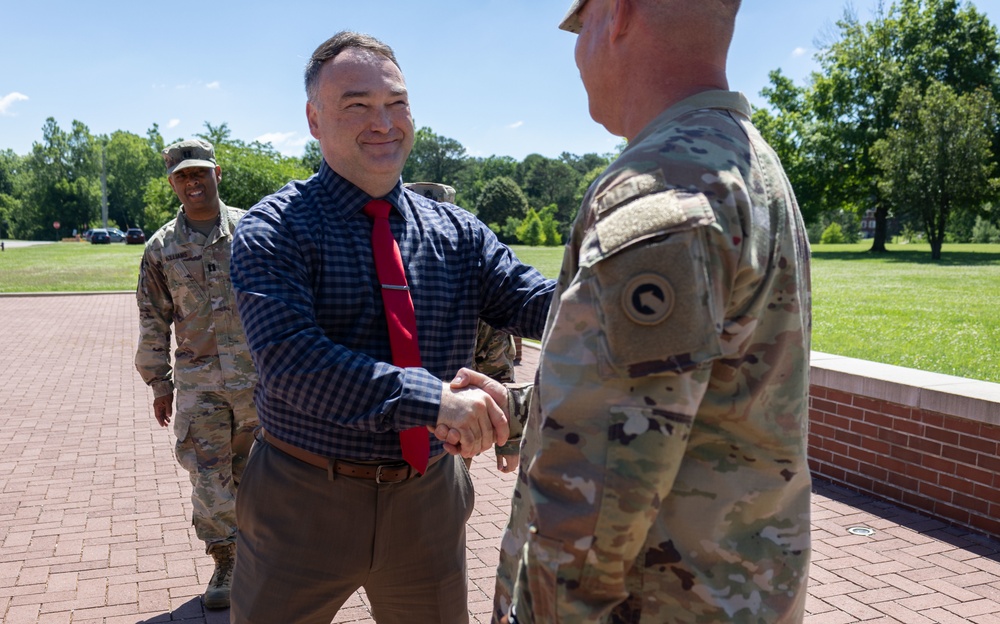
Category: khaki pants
<point>306,543</point>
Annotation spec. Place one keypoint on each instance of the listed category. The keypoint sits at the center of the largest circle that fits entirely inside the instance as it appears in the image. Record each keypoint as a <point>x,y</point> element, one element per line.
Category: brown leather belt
<point>389,472</point>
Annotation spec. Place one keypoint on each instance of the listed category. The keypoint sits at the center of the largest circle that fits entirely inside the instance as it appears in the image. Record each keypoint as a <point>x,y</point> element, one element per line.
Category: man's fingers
<point>500,426</point>
<point>466,377</point>
<point>470,439</point>
<point>461,379</point>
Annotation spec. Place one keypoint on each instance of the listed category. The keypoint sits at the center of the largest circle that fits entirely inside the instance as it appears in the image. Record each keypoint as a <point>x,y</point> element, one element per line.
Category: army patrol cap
<point>437,192</point>
<point>571,23</point>
<point>192,153</point>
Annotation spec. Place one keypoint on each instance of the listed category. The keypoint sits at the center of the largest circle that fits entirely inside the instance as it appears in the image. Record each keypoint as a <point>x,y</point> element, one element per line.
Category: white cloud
<point>173,123</point>
<point>799,51</point>
<point>275,137</point>
<point>8,100</point>
<point>515,125</point>
<point>213,85</point>
<point>288,143</point>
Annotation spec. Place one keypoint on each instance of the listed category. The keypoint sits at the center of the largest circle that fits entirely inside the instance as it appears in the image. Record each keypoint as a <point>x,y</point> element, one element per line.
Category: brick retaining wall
<point>925,441</point>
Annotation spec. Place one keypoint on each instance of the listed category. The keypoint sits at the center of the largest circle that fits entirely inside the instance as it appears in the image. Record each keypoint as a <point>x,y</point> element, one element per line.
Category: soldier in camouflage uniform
<point>495,350</point>
<point>184,282</point>
<point>664,475</point>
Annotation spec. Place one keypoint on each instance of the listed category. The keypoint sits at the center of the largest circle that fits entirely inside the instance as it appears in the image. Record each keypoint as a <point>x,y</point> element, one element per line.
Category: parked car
<point>117,236</point>
<point>134,236</point>
<point>86,235</point>
<point>100,236</point>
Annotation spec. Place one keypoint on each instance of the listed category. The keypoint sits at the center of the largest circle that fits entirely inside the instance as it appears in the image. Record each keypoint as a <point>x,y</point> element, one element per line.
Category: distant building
<point>868,225</point>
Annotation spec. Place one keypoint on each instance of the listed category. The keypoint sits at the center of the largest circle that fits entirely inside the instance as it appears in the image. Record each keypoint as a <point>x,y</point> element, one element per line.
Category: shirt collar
<point>349,199</point>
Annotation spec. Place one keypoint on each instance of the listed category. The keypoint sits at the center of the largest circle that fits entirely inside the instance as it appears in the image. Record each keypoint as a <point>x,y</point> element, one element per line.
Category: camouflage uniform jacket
<point>664,474</point>
<point>184,281</point>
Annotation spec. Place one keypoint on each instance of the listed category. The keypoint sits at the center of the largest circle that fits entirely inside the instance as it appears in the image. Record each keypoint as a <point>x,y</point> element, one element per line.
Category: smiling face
<point>361,118</point>
<point>198,190</point>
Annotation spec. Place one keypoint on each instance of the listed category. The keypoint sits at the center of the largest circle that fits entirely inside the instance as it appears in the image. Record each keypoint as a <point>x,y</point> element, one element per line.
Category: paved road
<point>10,244</point>
<point>95,513</point>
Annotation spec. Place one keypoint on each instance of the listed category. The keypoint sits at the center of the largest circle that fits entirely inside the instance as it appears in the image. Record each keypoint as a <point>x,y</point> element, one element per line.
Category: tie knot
<point>378,209</point>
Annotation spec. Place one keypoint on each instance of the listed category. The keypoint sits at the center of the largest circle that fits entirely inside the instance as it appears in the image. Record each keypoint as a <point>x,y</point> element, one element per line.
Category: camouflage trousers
<point>514,537</point>
<point>214,451</point>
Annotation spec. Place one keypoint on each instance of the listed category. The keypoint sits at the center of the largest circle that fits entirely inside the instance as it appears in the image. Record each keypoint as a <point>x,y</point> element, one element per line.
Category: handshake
<point>473,417</point>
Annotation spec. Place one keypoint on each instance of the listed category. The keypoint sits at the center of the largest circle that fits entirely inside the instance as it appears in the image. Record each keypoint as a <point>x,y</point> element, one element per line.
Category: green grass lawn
<point>905,309</point>
<point>69,267</point>
<point>901,308</point>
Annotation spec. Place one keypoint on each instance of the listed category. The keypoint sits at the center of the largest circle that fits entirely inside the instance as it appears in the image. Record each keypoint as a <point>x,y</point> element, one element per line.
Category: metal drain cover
<point>862,531</point>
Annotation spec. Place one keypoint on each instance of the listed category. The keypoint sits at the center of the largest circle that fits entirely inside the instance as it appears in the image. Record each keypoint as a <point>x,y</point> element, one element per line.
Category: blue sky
<point>496,75</point>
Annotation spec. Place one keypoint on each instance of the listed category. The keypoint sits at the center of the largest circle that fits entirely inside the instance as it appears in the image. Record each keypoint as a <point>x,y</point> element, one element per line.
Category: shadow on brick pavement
<point>95,512</point>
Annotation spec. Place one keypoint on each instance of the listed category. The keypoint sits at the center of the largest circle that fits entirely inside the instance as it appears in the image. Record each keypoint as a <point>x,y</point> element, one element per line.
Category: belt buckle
<point>378,473</point>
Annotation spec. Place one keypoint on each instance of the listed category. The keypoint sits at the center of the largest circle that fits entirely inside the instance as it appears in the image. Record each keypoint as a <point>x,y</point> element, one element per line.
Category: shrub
<point>832,235</point>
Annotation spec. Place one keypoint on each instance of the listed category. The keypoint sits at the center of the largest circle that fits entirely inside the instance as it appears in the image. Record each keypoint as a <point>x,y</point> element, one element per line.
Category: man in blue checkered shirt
<point>326,503</point>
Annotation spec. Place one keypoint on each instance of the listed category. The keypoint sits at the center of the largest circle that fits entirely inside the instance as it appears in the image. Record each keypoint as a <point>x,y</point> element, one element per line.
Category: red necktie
<point>400,318</point>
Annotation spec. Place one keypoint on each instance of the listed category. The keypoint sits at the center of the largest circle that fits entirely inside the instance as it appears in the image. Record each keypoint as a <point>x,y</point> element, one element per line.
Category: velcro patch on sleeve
<point>636,184</point>
<point>652,215</point>
<point>656,307</point>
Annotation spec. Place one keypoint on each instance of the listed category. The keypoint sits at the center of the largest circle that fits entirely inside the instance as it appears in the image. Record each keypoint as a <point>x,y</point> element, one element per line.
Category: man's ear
<point>312,113</point>
<point>218,174</point>
<point>622,14</point>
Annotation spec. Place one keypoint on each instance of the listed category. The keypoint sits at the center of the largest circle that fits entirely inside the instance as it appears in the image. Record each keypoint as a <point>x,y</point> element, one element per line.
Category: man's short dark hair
<point>334,46</point>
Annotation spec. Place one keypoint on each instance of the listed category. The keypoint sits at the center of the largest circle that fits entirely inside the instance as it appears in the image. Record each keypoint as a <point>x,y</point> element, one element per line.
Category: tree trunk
<point>936,243</point>
<point>881,229</point>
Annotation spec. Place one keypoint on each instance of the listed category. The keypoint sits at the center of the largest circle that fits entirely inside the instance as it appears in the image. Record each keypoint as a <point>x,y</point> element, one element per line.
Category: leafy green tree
<point>550,227</point>
<point>791,131</point>
<point>477,174</point>
<point>161,204</point>
<point>864,73</point>
<point>985,232</point>
<point>938,158</point>
<point>508,232</point>
<point>501,198</point>
<point>546,181</point>
<point>155,139</point>
<point>217,135</point>
<point>10,172</point>
<point>588,162</point>
<point>129,163</point>
<point>61,183</point>
<point>250,172</point>
<point>434,158</point>
<point>313,157</point>
<point>531,231</point>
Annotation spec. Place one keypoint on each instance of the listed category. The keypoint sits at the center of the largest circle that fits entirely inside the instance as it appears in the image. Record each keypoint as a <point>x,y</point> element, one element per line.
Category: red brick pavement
<point>95,515</point>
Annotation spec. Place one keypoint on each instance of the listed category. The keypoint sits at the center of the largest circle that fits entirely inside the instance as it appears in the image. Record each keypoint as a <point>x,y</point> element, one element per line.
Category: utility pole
<point>104,188</point>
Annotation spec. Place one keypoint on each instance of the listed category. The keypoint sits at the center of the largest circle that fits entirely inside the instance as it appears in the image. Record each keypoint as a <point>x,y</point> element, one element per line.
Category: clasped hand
<point>473,415</point>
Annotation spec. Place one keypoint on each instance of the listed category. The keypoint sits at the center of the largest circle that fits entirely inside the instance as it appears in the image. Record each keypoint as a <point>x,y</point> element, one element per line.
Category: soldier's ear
<point>622,12</point>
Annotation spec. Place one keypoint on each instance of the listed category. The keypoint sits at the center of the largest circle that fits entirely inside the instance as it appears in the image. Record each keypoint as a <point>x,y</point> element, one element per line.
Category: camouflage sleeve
<point>152,356</point>
<point>628,360</point>
<point>518,400</point>
<point>494,353</point>
<point>495,358</point>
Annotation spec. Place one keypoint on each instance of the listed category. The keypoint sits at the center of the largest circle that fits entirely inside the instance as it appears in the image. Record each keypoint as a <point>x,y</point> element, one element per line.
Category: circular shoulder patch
<point>648,299</point>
